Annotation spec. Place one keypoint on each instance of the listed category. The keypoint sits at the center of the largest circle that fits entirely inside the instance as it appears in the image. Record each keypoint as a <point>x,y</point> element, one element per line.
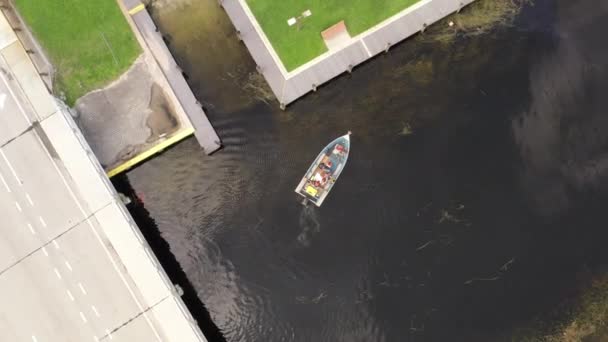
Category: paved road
<point>58,281</point>
<point>12,122</point>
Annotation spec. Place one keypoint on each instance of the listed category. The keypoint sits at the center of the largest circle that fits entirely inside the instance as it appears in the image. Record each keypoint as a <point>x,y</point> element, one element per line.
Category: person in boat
<point>326,165</point>
<point>319,179</point>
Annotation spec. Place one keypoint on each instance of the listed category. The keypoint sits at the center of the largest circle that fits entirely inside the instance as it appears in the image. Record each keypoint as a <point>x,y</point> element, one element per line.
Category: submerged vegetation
<point>406,130</point>
<point>477,18</point>
<point>586,318</point>
<point>257,88</point>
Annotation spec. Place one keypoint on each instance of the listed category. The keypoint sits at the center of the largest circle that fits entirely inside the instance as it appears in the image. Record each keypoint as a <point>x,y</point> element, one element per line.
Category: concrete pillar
<point>314,87</point>
<point>123,198</point>
<point>282,106</point>
<point>424,26</point>
<point>238,35</point>
<point>178,290</point>
<point>350,68</point>
<point>259,69</point>
<point>388,46</point>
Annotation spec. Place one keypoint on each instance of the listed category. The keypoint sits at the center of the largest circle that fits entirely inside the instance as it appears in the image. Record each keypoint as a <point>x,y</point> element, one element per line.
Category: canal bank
<point>136,116</point>
<point>288,86</point>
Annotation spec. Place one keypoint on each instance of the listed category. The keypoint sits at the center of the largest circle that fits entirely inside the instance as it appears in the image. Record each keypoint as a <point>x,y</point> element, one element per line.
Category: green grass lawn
<point>298,47</point>
<point>89,41</point>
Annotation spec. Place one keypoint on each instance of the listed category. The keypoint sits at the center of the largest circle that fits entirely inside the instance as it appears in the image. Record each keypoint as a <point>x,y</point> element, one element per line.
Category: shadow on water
<point>168,261</point>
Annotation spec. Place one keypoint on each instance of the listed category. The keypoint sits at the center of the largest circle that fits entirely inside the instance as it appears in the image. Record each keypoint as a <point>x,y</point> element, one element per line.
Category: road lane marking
<point>10,167</point>
<point>95,310</point>
<point>84,319</point>
<point>44,251</point>
<point>109,334</point>
<point>31,228</point>
<point>42,221</point>
<point>70,295</point>
<point>99,239</point>
<point>84,292</point>
<point>29,199</point>
<point>57,273</point>
<point>67,264</point>
<point>18,206</point>
<point>10,90</point>
<point>8,189</point>
<point>56,244</point>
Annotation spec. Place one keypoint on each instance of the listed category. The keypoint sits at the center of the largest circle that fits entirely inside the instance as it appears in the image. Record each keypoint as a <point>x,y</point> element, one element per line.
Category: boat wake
<point>310,225</point>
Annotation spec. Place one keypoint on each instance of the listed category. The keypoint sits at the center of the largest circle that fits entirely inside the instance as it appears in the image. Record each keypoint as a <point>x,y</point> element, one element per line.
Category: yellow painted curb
<point>150,152</point>
<point>136,9</point>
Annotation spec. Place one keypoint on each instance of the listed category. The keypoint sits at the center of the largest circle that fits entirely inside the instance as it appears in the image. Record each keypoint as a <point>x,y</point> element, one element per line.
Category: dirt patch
<point>128,116</point>
<point>162,120</point>
<point>128,152</point>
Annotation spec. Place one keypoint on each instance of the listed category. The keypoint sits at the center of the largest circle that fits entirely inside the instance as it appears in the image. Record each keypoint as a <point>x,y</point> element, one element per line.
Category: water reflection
<point>561,135</point>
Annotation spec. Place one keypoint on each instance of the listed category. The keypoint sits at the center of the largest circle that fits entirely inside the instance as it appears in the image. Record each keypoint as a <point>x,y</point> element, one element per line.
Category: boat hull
<point>324,171</point>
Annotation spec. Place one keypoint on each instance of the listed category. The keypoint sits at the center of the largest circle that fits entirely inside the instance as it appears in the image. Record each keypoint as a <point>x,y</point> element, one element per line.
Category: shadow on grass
<point>162,251</point>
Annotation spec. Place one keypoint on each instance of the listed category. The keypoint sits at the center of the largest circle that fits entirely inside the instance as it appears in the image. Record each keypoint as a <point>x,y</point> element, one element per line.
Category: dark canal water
<point>491,212</point>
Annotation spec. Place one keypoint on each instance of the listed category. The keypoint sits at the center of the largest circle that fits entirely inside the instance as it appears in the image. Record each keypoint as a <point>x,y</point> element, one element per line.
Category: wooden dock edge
<point>288,86</point>
<point>151,40</point>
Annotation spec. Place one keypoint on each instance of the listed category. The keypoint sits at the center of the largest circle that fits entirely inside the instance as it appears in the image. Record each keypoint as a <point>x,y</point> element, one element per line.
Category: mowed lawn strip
<point>296,47</point>
<point>89,42</point>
